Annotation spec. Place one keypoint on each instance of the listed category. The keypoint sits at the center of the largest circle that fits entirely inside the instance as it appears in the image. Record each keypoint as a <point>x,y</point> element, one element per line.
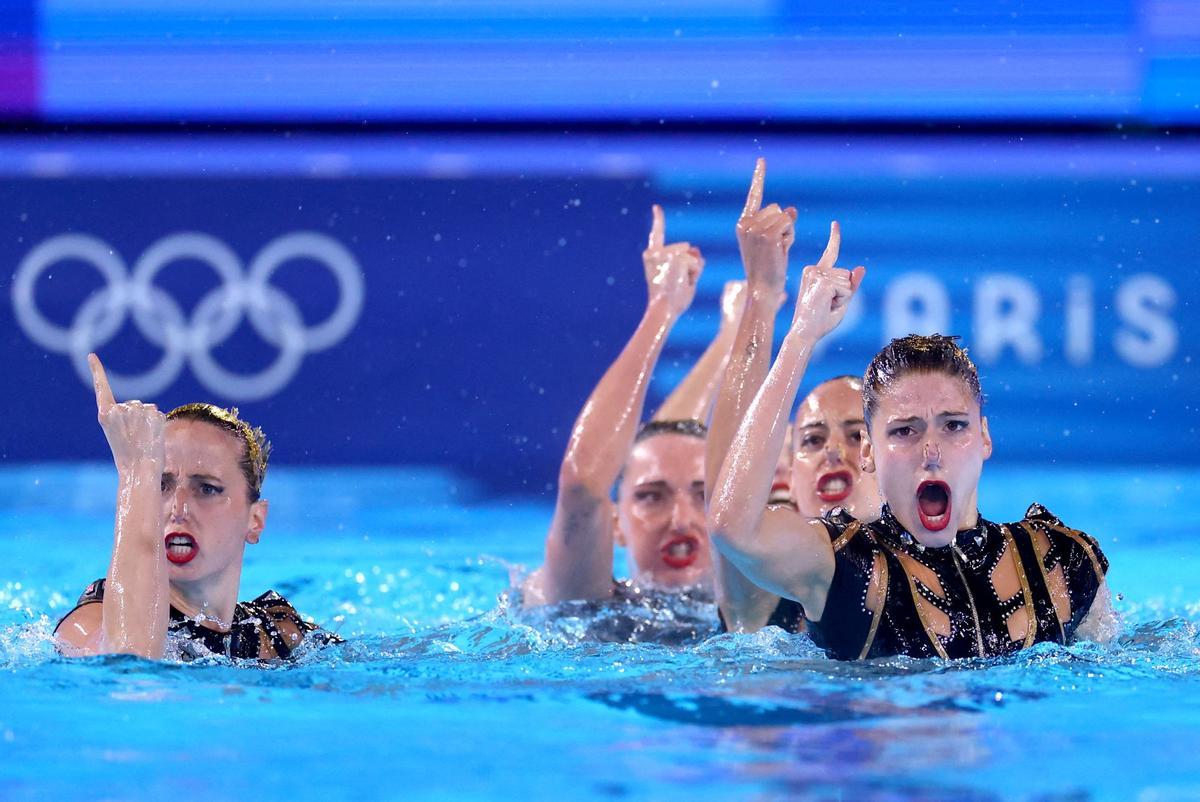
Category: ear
<point>987,437</point>
<point>866,456</point>
<point>258,519</point>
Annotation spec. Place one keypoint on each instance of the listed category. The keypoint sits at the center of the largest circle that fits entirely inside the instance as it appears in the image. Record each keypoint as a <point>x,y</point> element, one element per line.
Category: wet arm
<point>744,605</point>
<point>692,398</point>
<point>135,610</point>
<point>579,547</point>
<point>778,549</point>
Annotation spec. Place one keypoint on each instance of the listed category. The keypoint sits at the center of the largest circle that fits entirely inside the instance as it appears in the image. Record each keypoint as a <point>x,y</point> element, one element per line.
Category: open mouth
<point>181,547</point>
<point>835,486</point>
<point>681,551</point>
<point>933,505</point>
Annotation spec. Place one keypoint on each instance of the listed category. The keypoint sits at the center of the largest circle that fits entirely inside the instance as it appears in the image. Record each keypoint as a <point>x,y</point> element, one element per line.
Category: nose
<point>933,454</point>
<point>684,515</point>
<point>833,453</point>
<point>179,507</point>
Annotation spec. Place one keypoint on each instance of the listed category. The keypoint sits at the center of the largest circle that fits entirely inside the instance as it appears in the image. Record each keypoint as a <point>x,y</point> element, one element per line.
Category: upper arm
<point>790,556</point>
<point>579,549</point>
<point>79,634</point>
<point>745,606</point>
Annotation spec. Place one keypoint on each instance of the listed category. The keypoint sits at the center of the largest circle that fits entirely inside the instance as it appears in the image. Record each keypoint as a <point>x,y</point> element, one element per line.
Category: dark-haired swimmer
<point>659,510</point>
<point>188,502</point>
<point>930,577</point>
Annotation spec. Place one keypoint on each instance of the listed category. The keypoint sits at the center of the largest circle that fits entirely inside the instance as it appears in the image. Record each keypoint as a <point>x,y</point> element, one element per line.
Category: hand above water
<point>825,291</point>
<point>764,237</point>
<point>671,270</point>
<point>135,431</point>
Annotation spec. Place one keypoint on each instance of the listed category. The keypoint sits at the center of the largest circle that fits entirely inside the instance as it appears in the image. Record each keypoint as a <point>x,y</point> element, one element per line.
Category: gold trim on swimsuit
<point>881,571</point>
<point>1082,540</point>
<point>1062,633</point>
<point>846,536</point>
<point>917,605</point>
<point>1011,546</point>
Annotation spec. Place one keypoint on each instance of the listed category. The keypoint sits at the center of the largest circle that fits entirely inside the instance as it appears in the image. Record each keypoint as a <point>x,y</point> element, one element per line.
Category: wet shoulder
<point>269,627</point>
<point>1070,562</point>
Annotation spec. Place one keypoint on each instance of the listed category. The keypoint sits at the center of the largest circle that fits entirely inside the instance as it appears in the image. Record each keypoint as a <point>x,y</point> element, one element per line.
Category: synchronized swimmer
<point>877,548</point>
<point>189,489</point>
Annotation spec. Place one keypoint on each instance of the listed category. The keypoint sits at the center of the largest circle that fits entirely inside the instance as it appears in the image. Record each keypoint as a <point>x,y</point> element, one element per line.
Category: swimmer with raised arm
<point>819,466</point>
<point>659,511</point>
<point>188,502</point>
<point>930,577</point>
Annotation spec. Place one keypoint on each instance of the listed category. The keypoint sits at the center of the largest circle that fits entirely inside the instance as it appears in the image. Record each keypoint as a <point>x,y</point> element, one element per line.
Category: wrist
<point>659,308</point>
<point>764,297</point>
<point>801,335</point>
<point>141,469</point>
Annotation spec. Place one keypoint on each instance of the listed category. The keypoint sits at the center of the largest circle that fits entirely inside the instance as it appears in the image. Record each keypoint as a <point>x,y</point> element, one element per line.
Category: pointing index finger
<point>829,258</point>
<point>104,396</point>
<point>755,195</point>
<point>658,229</point>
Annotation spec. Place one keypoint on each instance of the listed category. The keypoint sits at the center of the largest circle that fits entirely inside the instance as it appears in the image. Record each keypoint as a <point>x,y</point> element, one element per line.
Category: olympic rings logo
<point>161,320</point>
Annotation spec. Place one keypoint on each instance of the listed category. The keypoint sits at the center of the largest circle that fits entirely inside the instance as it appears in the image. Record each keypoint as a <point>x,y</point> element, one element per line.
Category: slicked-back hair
<point>688,428</point>
<point>917,353</point>
<point>691,428</point>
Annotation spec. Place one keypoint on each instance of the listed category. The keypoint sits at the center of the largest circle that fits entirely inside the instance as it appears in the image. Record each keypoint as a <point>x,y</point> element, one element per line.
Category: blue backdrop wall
<point>451,299</point>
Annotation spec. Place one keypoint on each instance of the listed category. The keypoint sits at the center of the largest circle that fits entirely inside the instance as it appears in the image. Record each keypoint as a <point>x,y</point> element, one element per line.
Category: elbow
<point>720,533</point>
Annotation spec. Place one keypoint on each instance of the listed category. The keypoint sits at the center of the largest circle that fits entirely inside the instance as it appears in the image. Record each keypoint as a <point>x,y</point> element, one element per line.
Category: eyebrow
<point>209,476</point>
<point>854,422</point>
<point>949,414</point>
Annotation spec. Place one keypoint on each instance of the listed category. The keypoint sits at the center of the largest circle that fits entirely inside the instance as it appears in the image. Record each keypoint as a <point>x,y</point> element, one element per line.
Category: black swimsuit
<point>882,552</point>
<point>255,626</point>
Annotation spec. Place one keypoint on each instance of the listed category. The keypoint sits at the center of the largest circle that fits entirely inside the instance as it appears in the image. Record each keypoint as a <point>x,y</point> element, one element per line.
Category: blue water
<point>440,691</point>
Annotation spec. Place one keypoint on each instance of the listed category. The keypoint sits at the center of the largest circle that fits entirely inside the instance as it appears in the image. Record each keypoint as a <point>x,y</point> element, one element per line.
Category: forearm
<point>604,431</point>
<point>136,603</point>
<point>693,398</point>
<point>744,374</point>
<point>739,494</point>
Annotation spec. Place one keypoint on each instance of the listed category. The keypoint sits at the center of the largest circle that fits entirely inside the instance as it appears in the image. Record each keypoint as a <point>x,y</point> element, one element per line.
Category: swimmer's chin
<point>677,580</point>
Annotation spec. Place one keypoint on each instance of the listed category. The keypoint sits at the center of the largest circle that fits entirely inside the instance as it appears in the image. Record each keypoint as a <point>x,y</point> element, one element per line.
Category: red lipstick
<point>181,547</point>
<point>835,486</point>
<point>680,551</point>
<point>933,505</point>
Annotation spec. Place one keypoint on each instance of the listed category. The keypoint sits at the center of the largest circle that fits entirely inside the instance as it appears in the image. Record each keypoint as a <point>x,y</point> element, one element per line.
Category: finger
<point>829,258</point>
<point>792,213</point>
<point>755,195</point>
<point>856,277</point>
<point>104,396</point>
<point>658,229</point>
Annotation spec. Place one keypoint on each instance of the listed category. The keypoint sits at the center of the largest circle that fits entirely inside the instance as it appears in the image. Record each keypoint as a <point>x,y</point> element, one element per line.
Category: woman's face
<point>660,510</point>
<point>826,454</point>
<point>928,443</point>
<point>207,513</point>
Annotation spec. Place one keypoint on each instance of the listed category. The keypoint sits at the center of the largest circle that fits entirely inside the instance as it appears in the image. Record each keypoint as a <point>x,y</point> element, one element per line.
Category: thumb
<point>856,277</point>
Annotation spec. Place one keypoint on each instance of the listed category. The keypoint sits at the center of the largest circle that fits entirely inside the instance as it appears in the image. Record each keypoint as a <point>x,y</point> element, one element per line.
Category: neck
<point>935,540</point>
<point>212,599</point>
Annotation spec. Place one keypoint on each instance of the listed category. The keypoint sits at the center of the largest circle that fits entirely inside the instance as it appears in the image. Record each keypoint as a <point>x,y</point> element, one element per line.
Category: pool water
<point>442,692</point>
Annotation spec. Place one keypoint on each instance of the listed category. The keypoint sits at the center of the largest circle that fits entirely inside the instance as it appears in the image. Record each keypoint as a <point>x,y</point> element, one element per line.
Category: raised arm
<point>778,549</point>
<point>692,398</point>
<point>579,546</point>
<point>764,237</point>
<point>134,614</point>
